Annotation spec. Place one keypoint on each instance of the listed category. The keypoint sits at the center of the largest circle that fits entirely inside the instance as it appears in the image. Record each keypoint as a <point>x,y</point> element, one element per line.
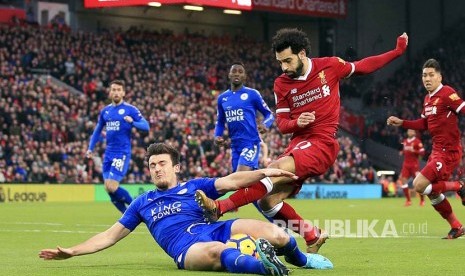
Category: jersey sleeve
<point>220,118</point>
<point>283,111</point>
<point>207,185</point>
<point>454,102</point>
<point>261,106</point>
<point>96,134</point>
<point>343,68</point>
<point>136,114</point>
<point>131,218</point>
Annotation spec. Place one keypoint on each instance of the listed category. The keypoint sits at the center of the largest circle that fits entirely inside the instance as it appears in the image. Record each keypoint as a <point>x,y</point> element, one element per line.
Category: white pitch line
<point>58,231</point>
<point>32,223</point>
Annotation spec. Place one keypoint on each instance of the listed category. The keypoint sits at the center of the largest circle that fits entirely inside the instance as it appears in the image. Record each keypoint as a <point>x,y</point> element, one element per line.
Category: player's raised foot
<point>461,192</point>
<point>315,246</point>
<point>208,205</point>
<point>455,233</point>
<point>317,261</point>
<point>269,258</point>
<point>408,203</point>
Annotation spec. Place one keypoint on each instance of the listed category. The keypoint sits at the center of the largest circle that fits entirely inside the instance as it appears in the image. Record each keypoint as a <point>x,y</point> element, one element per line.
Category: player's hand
<point>261,129</point>
<point>402,42</point>
<point>272,172</point>
<point>56,254</point>
<point>219,141</point>
<point>306,118</point>
<point>89,154</point>
<point>128,119</point>
<point>394,121</point>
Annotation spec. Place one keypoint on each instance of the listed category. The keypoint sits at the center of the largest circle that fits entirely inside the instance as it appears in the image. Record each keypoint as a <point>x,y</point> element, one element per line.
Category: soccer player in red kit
<point>440,116</point>
<point>412,150</point>
<point>307,105</point>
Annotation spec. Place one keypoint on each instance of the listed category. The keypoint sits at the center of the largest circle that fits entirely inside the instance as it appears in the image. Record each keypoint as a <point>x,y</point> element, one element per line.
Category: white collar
<point>309,69</point>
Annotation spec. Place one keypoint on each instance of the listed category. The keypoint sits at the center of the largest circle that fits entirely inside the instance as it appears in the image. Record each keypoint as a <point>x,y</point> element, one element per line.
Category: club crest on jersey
<point>244,96</point>
<point>322,77</point>
<point>121,111</point>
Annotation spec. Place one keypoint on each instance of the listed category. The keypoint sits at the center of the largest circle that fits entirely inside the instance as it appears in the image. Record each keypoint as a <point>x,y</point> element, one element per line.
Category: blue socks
<point>293,254</point>
<point>120,198</point>
<point>236,262</point>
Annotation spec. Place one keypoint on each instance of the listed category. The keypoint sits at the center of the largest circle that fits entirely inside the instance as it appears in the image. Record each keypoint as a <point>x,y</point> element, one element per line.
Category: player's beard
<point>162,185</point>
<point>298,70</point>
<point>117,100</point>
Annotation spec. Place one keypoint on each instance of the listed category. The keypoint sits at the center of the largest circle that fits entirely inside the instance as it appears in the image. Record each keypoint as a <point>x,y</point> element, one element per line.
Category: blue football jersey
<point>238,110</point>
<point>118,131</point>
<point>171,216</point>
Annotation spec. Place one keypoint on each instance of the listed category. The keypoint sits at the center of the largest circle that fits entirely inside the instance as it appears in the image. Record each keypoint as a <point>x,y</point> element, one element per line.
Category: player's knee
<point>419,186</point>
<point>214,255</point>
<point>280,237</point>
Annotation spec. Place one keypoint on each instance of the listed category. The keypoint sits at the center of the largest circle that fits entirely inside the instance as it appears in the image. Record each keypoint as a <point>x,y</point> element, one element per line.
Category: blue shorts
<point>116,165</point>
<point>217,231</point>
<point>245,153</point>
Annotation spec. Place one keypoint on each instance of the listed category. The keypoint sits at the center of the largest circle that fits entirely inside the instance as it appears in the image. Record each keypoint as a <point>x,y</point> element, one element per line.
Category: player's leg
<point>285,243</point>
<point>311,158</point>
<point>424,183</point>
<point>217,256</point>
<point>115,168</point>
<point>422,196</point>
<point>404,177</point>
<point>244,163</point>
<point>214,209</point>
<point>284,214</point>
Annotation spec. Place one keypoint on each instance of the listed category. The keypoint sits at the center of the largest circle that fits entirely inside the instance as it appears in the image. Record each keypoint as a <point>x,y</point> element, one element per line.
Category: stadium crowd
<point>173,78</point>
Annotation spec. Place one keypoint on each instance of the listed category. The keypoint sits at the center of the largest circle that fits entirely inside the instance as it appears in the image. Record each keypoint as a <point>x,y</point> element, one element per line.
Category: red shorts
<point>441,164</point>
<point>313,156</point>
<point>409,170</point>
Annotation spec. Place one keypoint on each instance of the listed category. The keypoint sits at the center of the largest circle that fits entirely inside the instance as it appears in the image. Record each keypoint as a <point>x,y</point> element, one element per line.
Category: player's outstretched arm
<point>243,179</point>
<point>97,243</point>
<point>373,63</point>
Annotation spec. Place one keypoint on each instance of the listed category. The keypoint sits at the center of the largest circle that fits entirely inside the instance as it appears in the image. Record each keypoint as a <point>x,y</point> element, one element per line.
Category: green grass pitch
<point>368,237</point>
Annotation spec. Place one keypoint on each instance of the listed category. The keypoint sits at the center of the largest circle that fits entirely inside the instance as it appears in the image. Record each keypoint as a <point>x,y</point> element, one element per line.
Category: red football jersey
<point>413,149</point>
<point>440,109</point>
<point>317,90</point>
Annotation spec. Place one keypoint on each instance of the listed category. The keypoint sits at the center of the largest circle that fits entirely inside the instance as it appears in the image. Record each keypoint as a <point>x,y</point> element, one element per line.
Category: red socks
<point>242,197</point>
<point>297,223</point>
<point>407,193</point>
<point>445,186</point>
<point>445,210</point>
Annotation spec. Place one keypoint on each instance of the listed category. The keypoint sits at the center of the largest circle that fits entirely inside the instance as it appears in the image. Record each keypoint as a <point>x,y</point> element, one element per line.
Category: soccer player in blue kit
<point>177,224</point>
<point>237,107</point>
<point>117,118</point>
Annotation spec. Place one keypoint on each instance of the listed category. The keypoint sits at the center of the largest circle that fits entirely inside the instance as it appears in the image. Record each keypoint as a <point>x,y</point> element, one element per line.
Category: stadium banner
<point>227,4</point>
<point>345,191</point>
<point>134,190</point>
<point>7,14</point>
<point>318,8</point>
<point>10,193</point>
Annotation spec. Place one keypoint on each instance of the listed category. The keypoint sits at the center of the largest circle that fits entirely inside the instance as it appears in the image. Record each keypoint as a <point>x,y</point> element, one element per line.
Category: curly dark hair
<point>291,37</point>
<point>162,148</point>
